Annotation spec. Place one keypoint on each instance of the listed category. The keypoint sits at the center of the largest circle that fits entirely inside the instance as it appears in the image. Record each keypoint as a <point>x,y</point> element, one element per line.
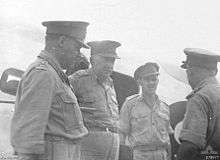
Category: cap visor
<point>84,45</point>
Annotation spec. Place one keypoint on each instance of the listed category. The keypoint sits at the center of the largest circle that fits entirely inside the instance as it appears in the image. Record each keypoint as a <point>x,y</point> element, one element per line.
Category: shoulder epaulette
<point>132,97</point>
<point>42,66</point>
<point>162,101</point>
<point>131,101</point>
<point>164,106</point>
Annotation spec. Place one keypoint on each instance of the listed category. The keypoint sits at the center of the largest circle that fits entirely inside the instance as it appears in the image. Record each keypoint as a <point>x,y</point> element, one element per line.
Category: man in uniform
<point>47,122</point>
<point>144,118</point>
<point>201,124</point>
<point>94,90</point>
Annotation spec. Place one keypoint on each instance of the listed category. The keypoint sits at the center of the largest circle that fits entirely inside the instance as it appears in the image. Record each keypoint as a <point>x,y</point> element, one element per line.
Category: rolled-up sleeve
<point>195,122</point>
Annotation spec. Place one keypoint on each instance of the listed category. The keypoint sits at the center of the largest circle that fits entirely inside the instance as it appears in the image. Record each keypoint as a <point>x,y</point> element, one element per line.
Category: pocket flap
<point>87,99</point>
<point>67,98</point>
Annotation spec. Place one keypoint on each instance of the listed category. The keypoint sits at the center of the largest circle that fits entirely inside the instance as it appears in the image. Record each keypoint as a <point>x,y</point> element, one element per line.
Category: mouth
<point>152,87</point>
<point>107,71</point>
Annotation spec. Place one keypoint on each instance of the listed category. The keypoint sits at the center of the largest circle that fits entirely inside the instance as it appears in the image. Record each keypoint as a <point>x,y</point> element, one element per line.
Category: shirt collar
<point>48,55</point>
<point>202,84</point>
<point>141,99</point>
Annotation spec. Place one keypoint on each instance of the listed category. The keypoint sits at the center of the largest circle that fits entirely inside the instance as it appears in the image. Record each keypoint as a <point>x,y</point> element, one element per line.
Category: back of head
<point>200,58</point>
<point>200,64</point>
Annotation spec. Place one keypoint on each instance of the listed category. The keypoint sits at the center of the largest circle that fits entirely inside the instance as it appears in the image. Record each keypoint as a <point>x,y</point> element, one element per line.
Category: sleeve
<point>169,127</point>
<point>195,122</point>
<point>124,118</point>
<point>166,111</point>
<point>37,90</point>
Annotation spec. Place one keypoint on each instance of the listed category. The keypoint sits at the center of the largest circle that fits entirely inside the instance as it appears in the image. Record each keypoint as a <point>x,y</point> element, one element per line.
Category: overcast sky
<point>156,30</point>
<point>159,28</point>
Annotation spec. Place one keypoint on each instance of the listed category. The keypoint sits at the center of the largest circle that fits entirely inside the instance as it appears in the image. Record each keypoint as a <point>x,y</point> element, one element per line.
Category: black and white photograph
<point>109,80</point>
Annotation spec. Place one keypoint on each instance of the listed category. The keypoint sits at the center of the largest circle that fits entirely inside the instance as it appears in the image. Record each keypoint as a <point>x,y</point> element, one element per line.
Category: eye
<point>150,78</point>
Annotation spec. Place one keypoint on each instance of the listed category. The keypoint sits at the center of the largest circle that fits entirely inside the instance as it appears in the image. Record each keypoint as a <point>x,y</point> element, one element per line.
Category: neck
<point>199,81</point>
<point>100,77</point>
<point>150,99</point>
<point>55,52</point>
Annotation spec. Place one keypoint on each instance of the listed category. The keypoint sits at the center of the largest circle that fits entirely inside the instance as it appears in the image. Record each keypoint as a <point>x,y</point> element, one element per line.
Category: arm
<point>124,122</point>
<point>193,134</point>
<point>33,103</point>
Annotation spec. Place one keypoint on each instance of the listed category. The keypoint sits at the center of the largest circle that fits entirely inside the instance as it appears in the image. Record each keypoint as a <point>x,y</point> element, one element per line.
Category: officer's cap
<point>200,58</point>
<point>75,29</point>
<point>148,69</point>
<point>105,48</point>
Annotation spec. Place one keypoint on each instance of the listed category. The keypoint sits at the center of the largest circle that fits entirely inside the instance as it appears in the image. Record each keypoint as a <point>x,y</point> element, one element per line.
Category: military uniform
<point>101,118</point>
<point>196,119</point>
<point>147,129</point>
<point>47,122</point>
<point>100,111</point>
<point>201,122</point>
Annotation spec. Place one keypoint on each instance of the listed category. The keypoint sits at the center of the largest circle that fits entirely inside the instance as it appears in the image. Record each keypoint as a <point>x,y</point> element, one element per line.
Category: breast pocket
<point>162,124</point>
<point>140,121</point>
<point>71,112</point>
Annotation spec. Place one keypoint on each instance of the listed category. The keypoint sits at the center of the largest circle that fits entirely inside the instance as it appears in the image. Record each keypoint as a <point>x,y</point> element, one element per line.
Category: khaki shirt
<point>144,126</point>
<point>195,122</point>
<point>44,105</point>
<point>100,99</point>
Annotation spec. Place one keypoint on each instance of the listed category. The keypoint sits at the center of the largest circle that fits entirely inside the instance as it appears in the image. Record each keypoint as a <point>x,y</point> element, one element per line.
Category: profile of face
<point>102,66</point>
<point>148,83</point>
<point>81,62</point>
<point>191,76</point>
<point>70,51</point>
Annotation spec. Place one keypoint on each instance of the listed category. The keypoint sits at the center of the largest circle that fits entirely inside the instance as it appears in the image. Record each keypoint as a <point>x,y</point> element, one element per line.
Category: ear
<point>61,41</point>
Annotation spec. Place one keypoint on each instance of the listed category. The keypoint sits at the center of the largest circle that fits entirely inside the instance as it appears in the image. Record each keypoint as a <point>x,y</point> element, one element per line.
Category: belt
<point>102,129</point>
<point>150,147</point>
<point>53,138</point>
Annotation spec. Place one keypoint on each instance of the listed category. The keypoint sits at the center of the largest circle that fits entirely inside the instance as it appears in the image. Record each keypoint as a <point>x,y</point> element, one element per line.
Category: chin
<point>150,92</point>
